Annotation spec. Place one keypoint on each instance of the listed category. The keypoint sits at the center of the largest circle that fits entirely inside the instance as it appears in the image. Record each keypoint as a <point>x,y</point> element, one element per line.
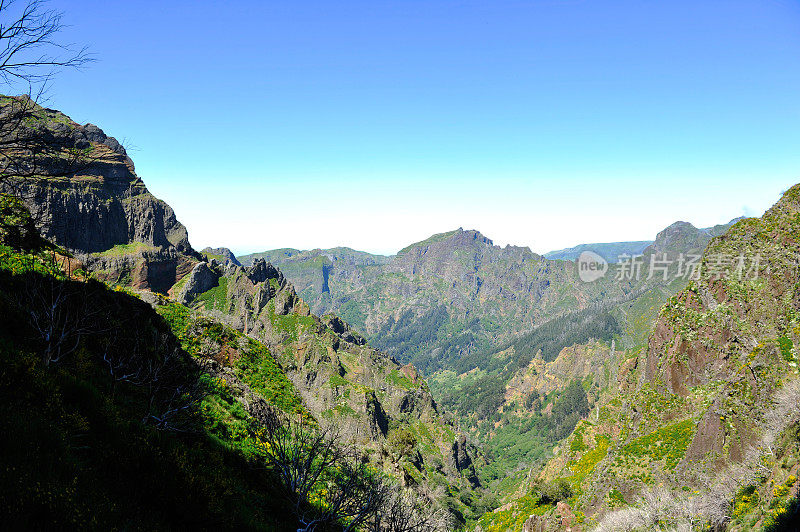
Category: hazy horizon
<point>372,126</point>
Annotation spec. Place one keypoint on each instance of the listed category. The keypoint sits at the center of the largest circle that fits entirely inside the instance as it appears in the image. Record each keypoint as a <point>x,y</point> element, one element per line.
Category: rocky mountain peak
<point>221,254</point>
<point>262,270</point>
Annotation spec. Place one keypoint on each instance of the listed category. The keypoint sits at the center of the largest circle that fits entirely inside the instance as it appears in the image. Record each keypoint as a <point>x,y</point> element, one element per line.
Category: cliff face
<point>89,200</point>
<point>222,255</point>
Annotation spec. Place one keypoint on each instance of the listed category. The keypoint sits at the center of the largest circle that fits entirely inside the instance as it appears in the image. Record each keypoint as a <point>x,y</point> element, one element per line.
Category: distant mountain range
<point>456,295</point>
<point>611,251</point>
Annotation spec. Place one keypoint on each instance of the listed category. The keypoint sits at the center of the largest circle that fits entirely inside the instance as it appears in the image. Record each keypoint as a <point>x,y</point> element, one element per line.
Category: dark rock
<point>460,457</point>
<point>343,330</point>
<point>376,415</point>
<point>201,279</point>
<point>261,270</point>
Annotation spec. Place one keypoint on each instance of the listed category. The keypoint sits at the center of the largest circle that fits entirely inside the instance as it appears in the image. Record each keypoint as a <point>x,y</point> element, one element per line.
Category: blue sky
<point>375,124</point>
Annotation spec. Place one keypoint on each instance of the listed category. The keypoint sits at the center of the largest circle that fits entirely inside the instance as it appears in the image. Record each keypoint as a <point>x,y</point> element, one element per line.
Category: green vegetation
<point>668,443</point>
<point>564,331</point>
<point>291,325</point>
<point>253,362</point>
<point>121,250</point>
<point>785,345</point>
<point>17,229</point>
<point>82,449</point>
<point>215,298</point>
<point>338,380</point>
<point>514,517</point>
<point>397,378</point>
<point>589,460</point>
<point>616,499</point>
<point>528,439</point>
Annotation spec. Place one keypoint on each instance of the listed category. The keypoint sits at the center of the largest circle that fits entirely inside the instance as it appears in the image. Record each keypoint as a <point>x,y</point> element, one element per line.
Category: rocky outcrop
<point>97,207</point>
<point>593,359</point>
<point>343,329</point>
<point>222,255</point>
<point>338,376</point>
<point>695,410</point>
<point>201,279</point>
<point>103,205</point>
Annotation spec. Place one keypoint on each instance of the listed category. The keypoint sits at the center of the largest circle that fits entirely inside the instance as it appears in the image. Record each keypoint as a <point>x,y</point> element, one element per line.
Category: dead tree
<point>310,461</point>
<point>60,313</point>
<point>151,361</point>
<point>405,511</point>
<point>31,143</point>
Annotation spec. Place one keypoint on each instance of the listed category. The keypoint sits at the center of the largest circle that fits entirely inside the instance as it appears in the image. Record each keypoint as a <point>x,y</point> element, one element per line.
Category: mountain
<point>97,207</point>
<point>258,345</point>
<point>612,251</point>
<point>700,426</point>
<point>432,301</point>
<point>455,296</point>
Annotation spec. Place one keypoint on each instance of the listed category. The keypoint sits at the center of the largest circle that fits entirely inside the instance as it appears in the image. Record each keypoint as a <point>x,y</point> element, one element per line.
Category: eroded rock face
<point>461,460</point>
<point>224,255</point>
<point>102,203</point>
<point>98,208</point>
<point>201,279</point>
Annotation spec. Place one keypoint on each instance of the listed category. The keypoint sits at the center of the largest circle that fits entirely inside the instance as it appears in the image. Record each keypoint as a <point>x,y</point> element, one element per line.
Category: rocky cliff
<point>88,199</point>
<point>221,255</point>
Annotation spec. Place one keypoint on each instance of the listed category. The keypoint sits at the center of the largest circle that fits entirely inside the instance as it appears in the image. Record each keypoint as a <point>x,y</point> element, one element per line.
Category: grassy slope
<point>77,454</point>
<point>654,432</point>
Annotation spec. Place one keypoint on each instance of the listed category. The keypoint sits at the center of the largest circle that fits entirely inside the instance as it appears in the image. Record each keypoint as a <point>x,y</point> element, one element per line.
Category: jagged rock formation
<point>339,377</point>
<point>201,279</point>
<point>221,255</point>
<point>98,208</point>
<point>594,360</point>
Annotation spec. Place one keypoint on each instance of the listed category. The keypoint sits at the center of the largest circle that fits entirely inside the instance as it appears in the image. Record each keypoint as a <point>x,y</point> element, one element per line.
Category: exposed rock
<point>343,329</point>
<point>201,279</point>
<point>535,523</point>
<point>100,209</point>
<point>461,460</point>
<point>337,374</point>
<point>262,270</point>
<point>224,255</point>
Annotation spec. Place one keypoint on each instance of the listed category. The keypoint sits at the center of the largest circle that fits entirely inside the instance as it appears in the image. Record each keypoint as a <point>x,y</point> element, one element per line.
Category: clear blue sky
<point>375,124</point>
